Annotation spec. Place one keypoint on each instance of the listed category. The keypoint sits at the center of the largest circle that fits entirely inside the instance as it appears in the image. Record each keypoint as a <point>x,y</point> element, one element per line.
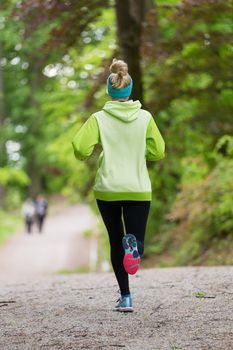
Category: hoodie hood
<point>125,111</point>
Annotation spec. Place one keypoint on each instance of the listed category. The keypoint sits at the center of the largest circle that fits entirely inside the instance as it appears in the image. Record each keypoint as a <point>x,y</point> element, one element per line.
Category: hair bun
<point>119,74</point>
<point>119,67</point>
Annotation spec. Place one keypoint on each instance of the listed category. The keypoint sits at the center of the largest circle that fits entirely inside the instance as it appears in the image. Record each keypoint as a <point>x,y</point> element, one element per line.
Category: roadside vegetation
<point>53,68</point>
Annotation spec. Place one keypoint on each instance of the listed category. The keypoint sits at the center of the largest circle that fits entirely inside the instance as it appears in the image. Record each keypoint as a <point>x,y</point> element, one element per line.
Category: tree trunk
<point>34,174</point>
<point>130,15</point>
<point>33,165</point>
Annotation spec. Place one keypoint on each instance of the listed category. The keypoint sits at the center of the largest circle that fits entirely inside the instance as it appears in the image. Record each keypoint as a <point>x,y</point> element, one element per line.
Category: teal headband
<point>119,93</point>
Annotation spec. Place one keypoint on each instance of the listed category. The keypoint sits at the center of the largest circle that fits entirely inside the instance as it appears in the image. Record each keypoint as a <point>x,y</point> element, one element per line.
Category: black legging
<point>40,221</point>
<point>135,214</point>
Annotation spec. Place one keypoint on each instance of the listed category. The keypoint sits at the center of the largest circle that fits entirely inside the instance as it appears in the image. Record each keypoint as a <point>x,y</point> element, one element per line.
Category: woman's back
<point>122,128</point>
<point>129,137</point>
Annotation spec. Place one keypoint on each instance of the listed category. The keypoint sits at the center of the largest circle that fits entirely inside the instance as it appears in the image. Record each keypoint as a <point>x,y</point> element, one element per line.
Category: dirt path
<point>74,312</point>
<point>60,246</point>
<point>175,309</point>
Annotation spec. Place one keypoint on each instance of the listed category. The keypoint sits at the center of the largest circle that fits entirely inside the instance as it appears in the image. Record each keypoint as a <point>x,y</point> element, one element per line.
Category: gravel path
<point>74,312</point>
<point>60,246</point>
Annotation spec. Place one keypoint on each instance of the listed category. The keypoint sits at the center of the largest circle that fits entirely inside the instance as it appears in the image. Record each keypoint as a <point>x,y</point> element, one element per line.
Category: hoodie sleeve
<point>86,139</point>
<point>155,146</point>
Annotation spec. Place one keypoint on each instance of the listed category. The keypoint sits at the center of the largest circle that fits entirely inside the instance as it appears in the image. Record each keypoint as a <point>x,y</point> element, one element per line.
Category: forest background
<point>54,59</point>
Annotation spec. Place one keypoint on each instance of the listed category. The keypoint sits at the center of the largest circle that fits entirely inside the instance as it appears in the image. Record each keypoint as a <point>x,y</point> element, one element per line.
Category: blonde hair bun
<point>119,77</point>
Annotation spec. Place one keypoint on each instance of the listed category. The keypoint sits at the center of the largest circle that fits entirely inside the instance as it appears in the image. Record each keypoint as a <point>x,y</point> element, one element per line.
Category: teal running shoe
<point>124,304</point>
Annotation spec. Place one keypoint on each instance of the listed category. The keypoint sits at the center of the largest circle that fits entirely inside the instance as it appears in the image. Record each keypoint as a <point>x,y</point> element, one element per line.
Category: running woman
<point>129,137</point>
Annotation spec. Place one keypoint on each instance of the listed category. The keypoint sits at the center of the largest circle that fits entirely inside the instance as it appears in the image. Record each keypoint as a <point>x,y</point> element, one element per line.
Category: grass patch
<point>177,347</point>
<point>200,295</point>
<point>9,224</point>
<point>203,295</point>
<point>87,234</point>
<point>81,269</point>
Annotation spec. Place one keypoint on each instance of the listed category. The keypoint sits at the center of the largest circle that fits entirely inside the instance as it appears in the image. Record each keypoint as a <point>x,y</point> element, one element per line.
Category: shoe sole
<point>125,309</point>
<point>131,258</point>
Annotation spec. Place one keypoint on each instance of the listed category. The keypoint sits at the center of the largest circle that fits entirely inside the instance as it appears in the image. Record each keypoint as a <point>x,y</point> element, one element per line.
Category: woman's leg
<point>40,222</point>
<point>135,214</point>
<point>111,213</point>
<point>28,223</point>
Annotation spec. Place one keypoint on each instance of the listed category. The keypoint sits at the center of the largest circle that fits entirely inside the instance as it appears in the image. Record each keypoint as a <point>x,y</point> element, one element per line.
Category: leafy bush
<point>203,209</point>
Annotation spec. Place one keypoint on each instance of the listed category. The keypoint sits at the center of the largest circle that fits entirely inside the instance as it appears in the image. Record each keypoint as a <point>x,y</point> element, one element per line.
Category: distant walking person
<point>129,137</point>
<point>28,211</point>
<point>41,206</point>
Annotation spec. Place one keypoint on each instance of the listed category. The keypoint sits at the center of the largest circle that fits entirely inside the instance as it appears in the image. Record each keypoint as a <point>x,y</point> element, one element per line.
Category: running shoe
<point>131,258</point>
<point>124,304</point>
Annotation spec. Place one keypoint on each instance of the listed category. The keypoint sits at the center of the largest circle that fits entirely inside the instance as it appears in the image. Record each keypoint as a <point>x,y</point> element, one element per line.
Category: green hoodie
<point>129,137</point>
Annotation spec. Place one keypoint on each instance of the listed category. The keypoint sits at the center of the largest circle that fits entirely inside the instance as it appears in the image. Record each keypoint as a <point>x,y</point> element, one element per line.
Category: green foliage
<point>193,170</point>
<point>8,225</point>
<point>14,182</point>
<point>55,58</point>
<point>13,177</point>
<point>187,68</point>
<point>202,211</point>
<point>45,103</point>
<point>224,147</point>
